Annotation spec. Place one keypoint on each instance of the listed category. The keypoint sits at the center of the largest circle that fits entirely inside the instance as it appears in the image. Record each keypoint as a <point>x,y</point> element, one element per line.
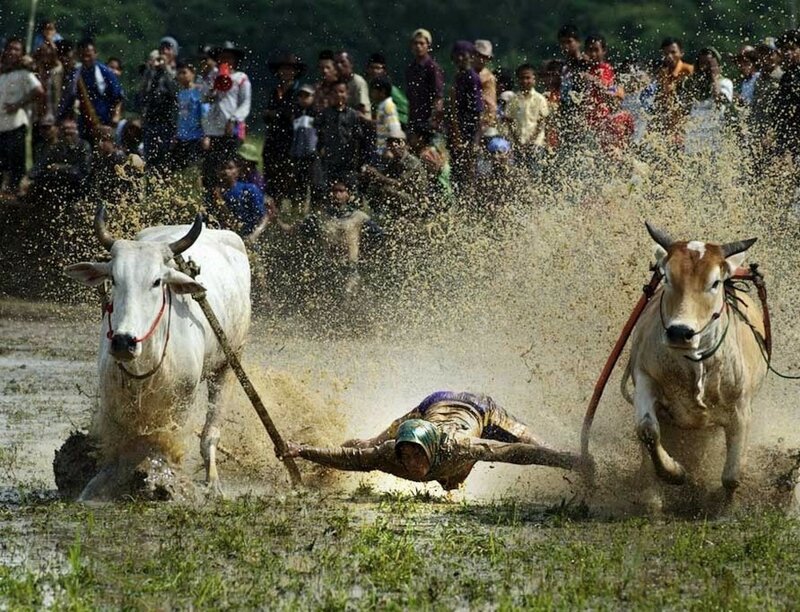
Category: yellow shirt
<point>527,112</point>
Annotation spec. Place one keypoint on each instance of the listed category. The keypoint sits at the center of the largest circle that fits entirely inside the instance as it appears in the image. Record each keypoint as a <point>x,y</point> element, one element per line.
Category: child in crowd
<point>304,143</point>
<point>190,116</point>
<point>613,130</point>
<point>247,159</point>
<point>343,227</point>
<point>107,181</point>
<point>746,60</point>
<point>526,114</point>
<point>387,119</point>
<point>241,205</point>
<point>600,79</point>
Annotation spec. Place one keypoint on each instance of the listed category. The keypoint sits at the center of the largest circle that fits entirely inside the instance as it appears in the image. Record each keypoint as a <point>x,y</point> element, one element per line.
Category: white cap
<point>484,47</point>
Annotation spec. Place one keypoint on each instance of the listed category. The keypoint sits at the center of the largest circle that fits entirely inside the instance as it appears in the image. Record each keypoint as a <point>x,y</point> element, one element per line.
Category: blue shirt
<point>246,203</point>
<point>190,113</point>
<point>103,98</point>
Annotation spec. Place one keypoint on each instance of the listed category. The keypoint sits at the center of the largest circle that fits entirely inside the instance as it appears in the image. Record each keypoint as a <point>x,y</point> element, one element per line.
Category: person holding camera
<point>159,100</point>
<point>224,125</point>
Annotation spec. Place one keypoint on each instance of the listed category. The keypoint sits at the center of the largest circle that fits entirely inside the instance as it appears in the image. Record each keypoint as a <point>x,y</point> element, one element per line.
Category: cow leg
<point>736,434</point>
<point>212,429</point>
<point>647,429</point>
<point>648,491</point>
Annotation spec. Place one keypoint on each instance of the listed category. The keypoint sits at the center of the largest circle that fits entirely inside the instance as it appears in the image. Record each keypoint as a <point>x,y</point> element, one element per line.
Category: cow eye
<point>157,282</point>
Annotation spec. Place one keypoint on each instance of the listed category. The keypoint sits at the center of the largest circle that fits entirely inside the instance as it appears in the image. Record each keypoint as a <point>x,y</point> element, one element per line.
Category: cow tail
<point>623,385</point>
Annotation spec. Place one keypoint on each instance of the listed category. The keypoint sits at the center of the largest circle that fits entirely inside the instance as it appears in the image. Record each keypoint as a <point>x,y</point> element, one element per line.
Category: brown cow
<point>696,362</point>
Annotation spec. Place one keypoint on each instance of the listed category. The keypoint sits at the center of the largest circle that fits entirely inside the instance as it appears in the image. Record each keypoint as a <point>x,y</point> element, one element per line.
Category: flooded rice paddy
<point>524,305</point>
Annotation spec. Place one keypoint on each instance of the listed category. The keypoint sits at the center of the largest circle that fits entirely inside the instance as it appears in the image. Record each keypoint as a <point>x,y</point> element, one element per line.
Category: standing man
<point>97,90</point>
<point>224,125</point>
<point>18,88</point>
<point>328,77</point>
<point>573,86</point>
<point>787,101</point>
<point>159,98</point>
<point>464,114</point>
<point>341,139</point>
<point>357,88</point>
<point>169,49</point>
<point>670,79</point>
<point>425,90</point>
<point>279,117</point>
<point>480,61</point>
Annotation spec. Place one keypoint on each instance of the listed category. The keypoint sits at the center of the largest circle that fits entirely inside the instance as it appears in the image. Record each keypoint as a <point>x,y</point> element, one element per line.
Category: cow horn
<point>100,229</point>
<point>737,247</point>
<point>179,246</point>
<point>662,238</point>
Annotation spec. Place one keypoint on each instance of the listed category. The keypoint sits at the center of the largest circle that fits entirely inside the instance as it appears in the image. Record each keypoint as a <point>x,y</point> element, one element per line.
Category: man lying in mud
<point>442,439</point>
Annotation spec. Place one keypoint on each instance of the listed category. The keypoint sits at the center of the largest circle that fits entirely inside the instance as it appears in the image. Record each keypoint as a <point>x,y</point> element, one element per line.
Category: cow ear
<point>735,261</point>
<point>659,253</point>
<point>182,283</point>
<point>90,274</point>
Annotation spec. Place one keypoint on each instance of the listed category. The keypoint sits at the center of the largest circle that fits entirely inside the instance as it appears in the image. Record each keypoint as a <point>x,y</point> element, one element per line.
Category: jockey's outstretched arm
<point>381,457</point>
<point>481,449</point>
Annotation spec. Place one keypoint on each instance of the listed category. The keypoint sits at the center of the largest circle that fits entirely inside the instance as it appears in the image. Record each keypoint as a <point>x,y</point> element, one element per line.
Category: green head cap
<point>422,433</point>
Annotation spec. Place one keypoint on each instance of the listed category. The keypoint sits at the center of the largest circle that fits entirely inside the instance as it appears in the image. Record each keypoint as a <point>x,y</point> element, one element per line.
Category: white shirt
<point>706,121</point>
<point>231,105</point>
<point>358,94</point>
<point>15,86</point>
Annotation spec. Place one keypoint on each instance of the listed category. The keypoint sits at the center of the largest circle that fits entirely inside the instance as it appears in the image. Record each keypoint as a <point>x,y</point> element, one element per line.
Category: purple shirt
<point>424,85</point>
<point>468,103</point>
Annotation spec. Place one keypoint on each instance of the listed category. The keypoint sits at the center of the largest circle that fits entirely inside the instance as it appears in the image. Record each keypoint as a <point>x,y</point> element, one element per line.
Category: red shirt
<point>602,84</point>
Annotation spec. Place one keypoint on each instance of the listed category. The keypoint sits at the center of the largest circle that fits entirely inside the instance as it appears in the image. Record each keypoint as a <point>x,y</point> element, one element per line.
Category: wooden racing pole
<point>192,269</point>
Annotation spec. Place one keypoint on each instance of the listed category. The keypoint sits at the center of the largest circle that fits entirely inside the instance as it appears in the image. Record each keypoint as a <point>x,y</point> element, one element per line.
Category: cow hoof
<point>730,485</point>
<point>649,503</point>
<point>214,489</point>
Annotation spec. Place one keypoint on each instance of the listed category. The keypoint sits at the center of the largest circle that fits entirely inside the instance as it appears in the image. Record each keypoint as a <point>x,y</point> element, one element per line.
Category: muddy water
<point>524,307</point>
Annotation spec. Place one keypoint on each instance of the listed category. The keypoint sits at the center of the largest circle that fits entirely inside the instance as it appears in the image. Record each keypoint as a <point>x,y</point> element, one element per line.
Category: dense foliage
<point>520,29</point>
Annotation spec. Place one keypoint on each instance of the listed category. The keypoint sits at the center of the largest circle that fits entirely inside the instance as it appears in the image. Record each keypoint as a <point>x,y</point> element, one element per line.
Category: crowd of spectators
<point>353,154</point>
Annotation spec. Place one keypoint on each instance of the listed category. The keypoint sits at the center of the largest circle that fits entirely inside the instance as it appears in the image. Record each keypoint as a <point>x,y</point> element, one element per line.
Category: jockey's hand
<point>292,451</point>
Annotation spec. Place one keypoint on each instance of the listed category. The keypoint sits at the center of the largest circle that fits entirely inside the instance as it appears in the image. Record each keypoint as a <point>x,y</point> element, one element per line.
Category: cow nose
<point>680,333</point>
<point>122,344</point>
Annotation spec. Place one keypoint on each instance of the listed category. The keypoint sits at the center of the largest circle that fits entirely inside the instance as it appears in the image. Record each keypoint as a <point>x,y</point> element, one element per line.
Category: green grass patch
<point>305,552</point>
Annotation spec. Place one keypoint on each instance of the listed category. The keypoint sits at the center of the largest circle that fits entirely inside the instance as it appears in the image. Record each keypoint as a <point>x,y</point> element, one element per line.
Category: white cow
<point>156,346</point>
<point>696,361</point>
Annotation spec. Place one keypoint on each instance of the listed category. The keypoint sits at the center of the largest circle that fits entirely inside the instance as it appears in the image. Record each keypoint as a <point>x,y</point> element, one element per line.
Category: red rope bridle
<point>109,309</point>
